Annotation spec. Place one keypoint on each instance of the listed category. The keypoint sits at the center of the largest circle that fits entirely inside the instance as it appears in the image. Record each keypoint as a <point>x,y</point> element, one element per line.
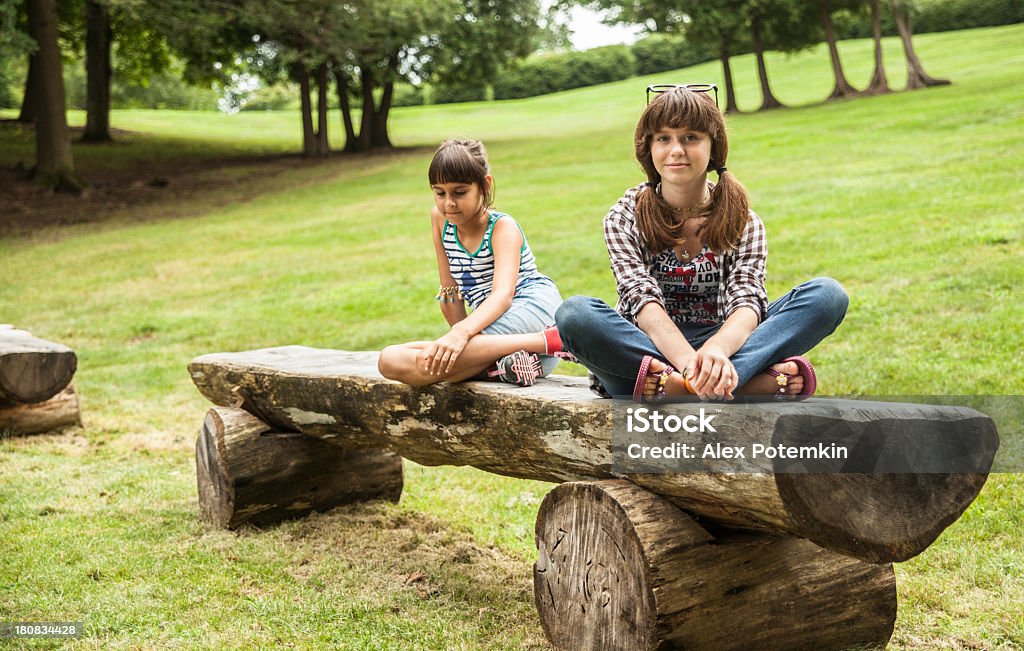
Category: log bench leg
<point>58,412</point>
<point>622,568</point>
<point>249,474</point>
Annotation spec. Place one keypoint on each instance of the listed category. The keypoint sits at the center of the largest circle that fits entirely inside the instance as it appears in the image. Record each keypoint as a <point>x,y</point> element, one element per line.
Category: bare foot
<point>674,386</point>
<point>765,384</point>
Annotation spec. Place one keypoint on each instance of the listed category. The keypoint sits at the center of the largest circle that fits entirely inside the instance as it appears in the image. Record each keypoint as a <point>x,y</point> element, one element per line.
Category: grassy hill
<point>911,200</point>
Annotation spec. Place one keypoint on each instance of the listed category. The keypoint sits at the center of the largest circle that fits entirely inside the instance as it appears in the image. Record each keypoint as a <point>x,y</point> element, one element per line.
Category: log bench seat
<point>626,560</point>
<point>36,394</point>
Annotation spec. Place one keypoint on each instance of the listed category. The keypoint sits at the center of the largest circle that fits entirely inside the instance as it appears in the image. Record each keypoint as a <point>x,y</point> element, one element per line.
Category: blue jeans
<point>612,347</point>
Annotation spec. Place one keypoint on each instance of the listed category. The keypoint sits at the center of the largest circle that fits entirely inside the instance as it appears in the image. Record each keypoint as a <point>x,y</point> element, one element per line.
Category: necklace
<point>690,209</point>
<point>686,213</point>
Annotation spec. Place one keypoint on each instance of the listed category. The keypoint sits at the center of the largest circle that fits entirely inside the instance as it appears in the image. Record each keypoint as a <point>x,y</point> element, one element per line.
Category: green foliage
<point>14,41</point>
<point>407,95</point>
<point>12,78</point>
<point>660,52</point>
<point>550,73</point>
<point>948,15</point>
<point>481,38</point>
<point>453,93</point>
<point>274,97</point>
<point>162,90</point>
<point>934,16</point>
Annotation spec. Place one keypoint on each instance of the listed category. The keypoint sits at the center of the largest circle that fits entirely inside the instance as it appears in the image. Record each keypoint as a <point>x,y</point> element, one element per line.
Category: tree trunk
<point>380,117</point>
<point>556,431</point>
<point>31,369</point>
<point>879,82</point>
<point>842,87</point>
<point>98,40</point>
<point>619,568</point>
<point>366,123</point>
<point>58,412</point>
<point>916,76</point>
<point>249,474</point>
<point>730,88</point>
<point>341,82</point>
<point>29,101</point>
<point>769,101</point>
<point>306,108</point>
<point>55,167</point>
<point>323,147</point>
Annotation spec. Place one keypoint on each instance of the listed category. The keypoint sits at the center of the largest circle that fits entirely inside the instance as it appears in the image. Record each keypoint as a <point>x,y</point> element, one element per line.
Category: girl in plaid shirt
<point>689,261</point>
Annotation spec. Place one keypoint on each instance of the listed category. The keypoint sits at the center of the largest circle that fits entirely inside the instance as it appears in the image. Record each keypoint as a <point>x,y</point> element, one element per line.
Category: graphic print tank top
<point>474,272</point>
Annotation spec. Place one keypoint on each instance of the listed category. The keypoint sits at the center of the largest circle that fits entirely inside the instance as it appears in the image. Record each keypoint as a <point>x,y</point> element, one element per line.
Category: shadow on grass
<point>139,177</point>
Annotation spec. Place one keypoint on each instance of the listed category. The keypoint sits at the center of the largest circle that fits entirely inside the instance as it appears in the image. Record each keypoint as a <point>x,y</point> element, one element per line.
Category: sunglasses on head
<point>657,89</point>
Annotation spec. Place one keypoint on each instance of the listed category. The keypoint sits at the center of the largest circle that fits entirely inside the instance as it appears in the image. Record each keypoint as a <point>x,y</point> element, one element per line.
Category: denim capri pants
<point>533,309</point>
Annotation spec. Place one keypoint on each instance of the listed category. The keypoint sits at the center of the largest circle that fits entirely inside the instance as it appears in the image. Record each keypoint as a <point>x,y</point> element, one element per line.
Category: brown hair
<point>462,161</point>
<point>728,209</point>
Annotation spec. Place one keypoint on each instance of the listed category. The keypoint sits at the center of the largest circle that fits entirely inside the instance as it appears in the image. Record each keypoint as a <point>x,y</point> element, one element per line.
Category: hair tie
<point>722,170</point>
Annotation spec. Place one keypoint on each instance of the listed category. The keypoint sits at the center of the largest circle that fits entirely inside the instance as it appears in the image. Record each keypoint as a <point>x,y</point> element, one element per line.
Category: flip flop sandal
<point>662,378</point>
<point>804,369</point>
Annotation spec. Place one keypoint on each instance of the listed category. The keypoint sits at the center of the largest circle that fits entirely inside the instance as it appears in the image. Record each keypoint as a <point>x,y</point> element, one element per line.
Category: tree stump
<point>249,474</point>
<point>48,416</point>
<point>622,568</point>
<point>32,370</point>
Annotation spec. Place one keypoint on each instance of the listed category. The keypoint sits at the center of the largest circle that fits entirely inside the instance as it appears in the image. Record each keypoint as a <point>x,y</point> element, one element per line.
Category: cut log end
<point>621,568</point>
<point>249,474</point>
<point>919,476</point>
<point>32,370</point>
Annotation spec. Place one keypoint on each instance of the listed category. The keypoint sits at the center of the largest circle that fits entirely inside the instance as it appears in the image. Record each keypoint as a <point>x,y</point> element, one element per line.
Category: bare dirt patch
<point>147,190</point>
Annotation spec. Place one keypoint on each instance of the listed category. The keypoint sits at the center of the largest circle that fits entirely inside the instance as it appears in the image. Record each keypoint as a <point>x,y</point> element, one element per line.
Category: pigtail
<point>728,212</point>
<point>656,221</point>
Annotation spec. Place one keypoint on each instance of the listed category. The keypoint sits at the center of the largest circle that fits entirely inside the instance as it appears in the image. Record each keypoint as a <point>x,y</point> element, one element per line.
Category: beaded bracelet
<point>450,294</point>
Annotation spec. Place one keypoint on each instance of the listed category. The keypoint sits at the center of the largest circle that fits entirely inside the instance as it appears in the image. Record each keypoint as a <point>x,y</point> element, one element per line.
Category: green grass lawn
<point>912,200</point>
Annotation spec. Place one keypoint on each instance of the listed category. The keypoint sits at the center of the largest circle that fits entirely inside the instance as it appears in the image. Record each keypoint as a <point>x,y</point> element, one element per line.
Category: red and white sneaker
<point>520,368</point>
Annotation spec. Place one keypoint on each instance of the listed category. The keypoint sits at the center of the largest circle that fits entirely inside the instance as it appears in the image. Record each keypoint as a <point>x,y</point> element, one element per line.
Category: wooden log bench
<point>629,560</point>
<point>35,383</point>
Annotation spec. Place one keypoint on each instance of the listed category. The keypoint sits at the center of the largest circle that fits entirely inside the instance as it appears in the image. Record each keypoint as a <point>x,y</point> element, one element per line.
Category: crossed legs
<point>405,362</point>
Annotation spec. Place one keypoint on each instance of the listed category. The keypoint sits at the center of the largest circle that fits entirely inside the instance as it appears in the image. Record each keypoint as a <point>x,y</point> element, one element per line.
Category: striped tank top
<point>474,272</point>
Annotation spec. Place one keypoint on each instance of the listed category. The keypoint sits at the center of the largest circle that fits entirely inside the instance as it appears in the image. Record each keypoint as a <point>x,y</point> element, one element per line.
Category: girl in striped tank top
<point>483,259</point>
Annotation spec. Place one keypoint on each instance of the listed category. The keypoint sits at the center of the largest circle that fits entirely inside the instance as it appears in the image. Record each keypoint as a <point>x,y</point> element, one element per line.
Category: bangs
<point>455,164</point>
<point>680,108</point>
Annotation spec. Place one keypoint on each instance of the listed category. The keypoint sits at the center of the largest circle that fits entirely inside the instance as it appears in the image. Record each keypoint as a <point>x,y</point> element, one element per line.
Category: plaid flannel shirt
<point>742,278</point>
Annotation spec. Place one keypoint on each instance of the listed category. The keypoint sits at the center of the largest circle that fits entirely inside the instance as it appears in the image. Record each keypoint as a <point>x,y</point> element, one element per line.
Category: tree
<point>98,41</point>
<point>916,76</point>
<point>121,40</point>
<point>717,26</point>
<point>657,17</point>
<point>879,82</point>
<point>783,25</point>
<point>721,28</point>
<point>54,164</point>
<point>841,87</point>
